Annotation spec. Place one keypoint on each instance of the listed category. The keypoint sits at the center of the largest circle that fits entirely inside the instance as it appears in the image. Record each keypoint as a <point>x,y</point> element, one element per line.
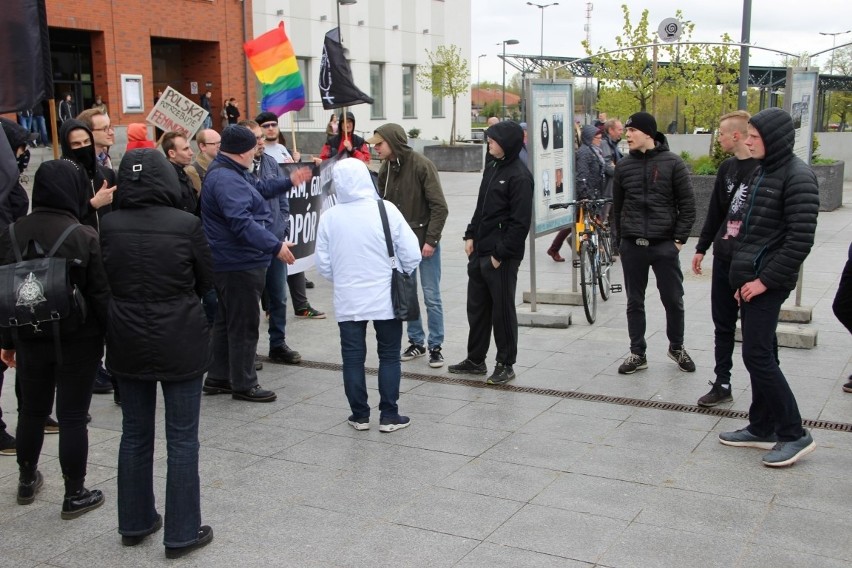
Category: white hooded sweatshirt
<point>351,252</point>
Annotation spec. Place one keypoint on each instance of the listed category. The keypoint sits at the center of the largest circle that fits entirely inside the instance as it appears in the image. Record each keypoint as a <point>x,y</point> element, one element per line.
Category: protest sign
<point>177,113</point>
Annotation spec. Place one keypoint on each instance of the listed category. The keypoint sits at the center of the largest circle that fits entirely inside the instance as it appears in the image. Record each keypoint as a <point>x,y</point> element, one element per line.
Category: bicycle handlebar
<point>568,204</point>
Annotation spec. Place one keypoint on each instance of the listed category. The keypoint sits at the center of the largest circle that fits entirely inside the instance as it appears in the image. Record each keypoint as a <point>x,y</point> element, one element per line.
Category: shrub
<point>414,133</point>
<point>704,166</point>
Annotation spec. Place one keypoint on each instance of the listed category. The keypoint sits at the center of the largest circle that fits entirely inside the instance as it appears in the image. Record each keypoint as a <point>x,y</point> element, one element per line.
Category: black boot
<point>79,500</point>
<point>29,482</point>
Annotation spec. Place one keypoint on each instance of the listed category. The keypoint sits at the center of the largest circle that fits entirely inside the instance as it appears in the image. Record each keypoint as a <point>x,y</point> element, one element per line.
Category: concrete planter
<point>702,187</point>
<point>458,158</point>
<point>830,178</point>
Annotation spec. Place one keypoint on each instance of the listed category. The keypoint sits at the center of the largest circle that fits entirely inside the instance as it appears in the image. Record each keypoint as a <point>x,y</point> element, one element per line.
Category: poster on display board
<point>550,119</point>
<point>799,101</point>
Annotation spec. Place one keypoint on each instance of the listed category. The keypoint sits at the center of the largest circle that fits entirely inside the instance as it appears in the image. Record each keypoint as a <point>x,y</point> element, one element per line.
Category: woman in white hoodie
<point>351,253</point>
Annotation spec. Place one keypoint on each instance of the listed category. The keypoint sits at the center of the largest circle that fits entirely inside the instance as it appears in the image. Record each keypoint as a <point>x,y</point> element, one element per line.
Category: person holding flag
<point>345,142</point>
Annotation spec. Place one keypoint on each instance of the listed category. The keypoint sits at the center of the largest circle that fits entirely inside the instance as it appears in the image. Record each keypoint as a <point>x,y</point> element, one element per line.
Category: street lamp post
<point>505,43</point>
<point>478,84</point>
<point>345,3</point>
<point>542,7</point>
<point>831,67</point>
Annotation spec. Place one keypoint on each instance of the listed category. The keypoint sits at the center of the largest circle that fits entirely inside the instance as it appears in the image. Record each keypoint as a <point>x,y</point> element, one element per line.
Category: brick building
<point>166,42</point>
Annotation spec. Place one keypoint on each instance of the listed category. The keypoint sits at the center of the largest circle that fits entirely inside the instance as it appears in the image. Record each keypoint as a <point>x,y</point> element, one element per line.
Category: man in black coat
<point>773,232</point>
<point>78,146</point>
<point>654,211</point>
<point>179,153</point>
<point>495,242</point>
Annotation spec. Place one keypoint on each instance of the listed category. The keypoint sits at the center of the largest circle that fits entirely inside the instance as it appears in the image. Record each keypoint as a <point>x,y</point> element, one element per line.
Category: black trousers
<point>773,406</point>
<point>39,376</point>
<point>491,305</point>
<point>842,305</point>
<point>663,259</point>
<point>235,331</point>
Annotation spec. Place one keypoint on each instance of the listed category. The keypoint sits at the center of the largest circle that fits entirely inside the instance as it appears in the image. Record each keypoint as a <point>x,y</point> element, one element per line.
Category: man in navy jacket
<point>237,221</point>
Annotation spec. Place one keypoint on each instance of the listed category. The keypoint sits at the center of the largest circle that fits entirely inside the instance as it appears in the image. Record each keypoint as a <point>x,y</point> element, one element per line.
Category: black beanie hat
<point>643,122</point>
<point>266,117</point>
<point>237,139</point>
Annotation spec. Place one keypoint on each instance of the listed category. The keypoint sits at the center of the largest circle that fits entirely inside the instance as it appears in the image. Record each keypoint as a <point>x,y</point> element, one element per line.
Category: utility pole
<point>742,96</point>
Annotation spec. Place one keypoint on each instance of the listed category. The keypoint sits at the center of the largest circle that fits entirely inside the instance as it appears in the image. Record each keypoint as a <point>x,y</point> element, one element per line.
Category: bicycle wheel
<point>588,281</point>
<point>605,256</point>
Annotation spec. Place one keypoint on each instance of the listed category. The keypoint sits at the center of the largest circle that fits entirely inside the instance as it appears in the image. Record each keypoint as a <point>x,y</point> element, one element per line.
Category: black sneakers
<point>284,354</point>
<point>205,536</point>
<point>634,362</point>
<point>414,350</point>
<point>848,386</point>
<point>717,395</point>
<point>394,423</point>
<point>362,423</point>
<point>255,394</point>
<point>436,360</point>
<point>468,367</point>
<point>51,426</point>
<point>682,358</point>
<point>502,374</point>
<point>81,503</point>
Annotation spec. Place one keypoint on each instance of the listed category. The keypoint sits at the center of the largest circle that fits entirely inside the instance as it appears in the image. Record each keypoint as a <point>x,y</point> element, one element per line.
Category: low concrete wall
<point>702,187</point>
<point>458,158</point>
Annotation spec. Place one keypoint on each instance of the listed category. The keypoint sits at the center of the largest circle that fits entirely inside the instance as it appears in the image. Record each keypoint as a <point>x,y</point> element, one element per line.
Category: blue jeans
<point>40,127</point>
<point>137,511</point>
<point>353,348</point>
<point>276,292</point>
<point>430,282</point>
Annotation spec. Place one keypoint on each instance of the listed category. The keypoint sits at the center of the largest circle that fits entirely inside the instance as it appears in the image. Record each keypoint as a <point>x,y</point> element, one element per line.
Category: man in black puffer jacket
<point>654,212</point>
<point>495,242</point>
<point>773,226</point>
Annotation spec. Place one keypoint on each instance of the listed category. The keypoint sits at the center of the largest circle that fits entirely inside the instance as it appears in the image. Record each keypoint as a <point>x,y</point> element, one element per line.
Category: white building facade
<point>386,41</point>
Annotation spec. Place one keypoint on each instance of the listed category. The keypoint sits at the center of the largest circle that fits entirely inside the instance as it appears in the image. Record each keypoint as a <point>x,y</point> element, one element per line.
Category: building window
<point>377,90</point>
<point>437,100</point>
<point>305,70</point>
<point>408,72</point>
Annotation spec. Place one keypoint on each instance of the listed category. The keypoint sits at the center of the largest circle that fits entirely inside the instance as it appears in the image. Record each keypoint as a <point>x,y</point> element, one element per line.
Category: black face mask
<point>85,156</point>
<point>23,161</point>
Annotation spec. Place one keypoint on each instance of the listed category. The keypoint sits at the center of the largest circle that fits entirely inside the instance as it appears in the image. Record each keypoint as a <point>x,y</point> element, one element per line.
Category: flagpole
<point>53,131</point>
<point>293,135</point>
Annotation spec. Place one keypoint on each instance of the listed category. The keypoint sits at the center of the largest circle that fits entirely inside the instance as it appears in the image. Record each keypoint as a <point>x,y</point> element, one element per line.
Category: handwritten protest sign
<point>177,113</point>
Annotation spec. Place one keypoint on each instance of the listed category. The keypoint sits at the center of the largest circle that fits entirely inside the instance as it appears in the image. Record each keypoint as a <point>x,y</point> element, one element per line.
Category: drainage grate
<point>606,399</point>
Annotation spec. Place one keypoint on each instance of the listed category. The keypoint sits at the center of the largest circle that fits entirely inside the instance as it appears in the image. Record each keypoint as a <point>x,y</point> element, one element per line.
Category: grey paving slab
<point>636,436</point>
<point>500,479</point>
<point>815,532</point>
<point>562,426</point>
<point>766,556</point>
<point>727,518</point>
<point>568,534</point>
<point>651,465</point>
<point>596,495</point>
<point>641,546</point>
<point>450,438</point>
<point>528,449</point>
<point>456,512</point>
<point>704,473</point>
<point>489,555</point>
<point>496,416</point>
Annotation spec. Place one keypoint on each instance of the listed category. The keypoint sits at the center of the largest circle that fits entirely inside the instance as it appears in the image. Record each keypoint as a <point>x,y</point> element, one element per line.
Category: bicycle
<point>593,243</point>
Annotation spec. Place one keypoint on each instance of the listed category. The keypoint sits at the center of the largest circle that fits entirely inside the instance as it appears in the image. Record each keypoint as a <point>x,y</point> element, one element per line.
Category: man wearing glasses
<point>297,282</point>
<point>102,132</point>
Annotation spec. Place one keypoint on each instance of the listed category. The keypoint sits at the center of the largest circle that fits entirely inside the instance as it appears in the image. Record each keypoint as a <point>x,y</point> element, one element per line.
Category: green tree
<point>446,74</point>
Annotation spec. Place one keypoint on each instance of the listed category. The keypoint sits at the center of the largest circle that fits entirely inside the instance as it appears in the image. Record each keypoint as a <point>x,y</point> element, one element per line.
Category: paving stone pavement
<point>488,477</point>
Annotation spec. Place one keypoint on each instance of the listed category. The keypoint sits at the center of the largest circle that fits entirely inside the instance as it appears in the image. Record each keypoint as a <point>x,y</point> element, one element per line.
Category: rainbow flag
<point>274,62</point>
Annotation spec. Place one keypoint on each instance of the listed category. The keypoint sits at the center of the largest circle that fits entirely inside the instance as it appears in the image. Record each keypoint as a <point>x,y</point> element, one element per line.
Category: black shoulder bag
<point>406,306</point>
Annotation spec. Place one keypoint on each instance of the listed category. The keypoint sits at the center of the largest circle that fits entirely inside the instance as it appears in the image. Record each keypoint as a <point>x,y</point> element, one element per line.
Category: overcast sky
<point>787,25</point>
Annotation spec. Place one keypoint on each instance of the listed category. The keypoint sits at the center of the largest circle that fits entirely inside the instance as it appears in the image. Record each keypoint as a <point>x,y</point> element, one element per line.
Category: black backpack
<point>36,294</point>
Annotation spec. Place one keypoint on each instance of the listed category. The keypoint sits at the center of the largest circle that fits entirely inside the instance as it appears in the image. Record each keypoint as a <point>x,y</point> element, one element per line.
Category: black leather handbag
<point>406,305</point>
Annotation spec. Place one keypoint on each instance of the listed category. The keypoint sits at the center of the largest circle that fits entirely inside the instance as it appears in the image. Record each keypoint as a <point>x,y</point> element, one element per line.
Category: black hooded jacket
<point>59,198</point>
<point>781,209</point>
<point>652,195</point>
<point>15,203</point>
<point>96,173</point>
<point>159,264</point>
<point>501,221</point>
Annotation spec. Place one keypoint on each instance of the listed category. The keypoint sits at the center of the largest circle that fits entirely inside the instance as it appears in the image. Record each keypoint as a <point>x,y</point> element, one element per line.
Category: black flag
<point>25,68</point>
<point>337,89</point>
